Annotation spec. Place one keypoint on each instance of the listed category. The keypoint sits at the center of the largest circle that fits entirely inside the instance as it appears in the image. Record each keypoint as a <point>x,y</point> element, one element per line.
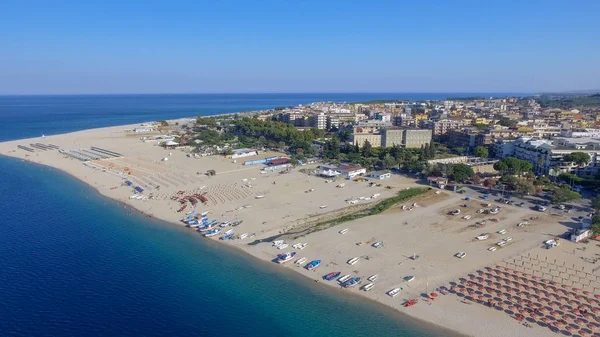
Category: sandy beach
<point>421,242</point>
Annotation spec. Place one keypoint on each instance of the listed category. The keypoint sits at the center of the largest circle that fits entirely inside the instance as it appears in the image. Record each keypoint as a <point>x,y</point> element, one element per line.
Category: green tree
<point>524,187</point>
<point>331,149</point>
<point>459,151</point>
<point>461,172</point>
<point>595,203</point>
<point>578,158</point>
<point>596,225</point>
<point>389,161</point>
<point>367,149</point>
<point>513,166</point>
<point>481,152</point>
<point>564,194</point>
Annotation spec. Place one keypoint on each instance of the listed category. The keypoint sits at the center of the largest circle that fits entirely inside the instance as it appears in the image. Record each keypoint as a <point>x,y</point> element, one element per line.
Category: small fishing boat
<point>297,245</point>
<point>302,246</point>
<point>344,231</point>
<point>227,236</point>
<point>283,258</point>
<point>229,231</point>
<point>207,227</point>
<point>300,260</point>
<point>323,206</point>
<point>225,224</point>
<point>353,260</point>
<point>313,264</point>
<point>410,303</point>
<point>212,232</point>
<point>283,246</point>
<point>372,278</point>
<point>378,244</point>
<point>351,282</point>
<point>190,212</point>
<point>394,292</point>
<point>344,278</point>
<point>204,213</point>
<point>368,286</point>
<point>259,197</point>
<point>243,236</point>
<point>331,275</point>
<point>409,278</point>
<point>278,242</point>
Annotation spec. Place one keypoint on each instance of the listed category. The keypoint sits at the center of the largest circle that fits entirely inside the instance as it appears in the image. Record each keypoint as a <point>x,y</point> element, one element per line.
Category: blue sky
<point>298,46</point>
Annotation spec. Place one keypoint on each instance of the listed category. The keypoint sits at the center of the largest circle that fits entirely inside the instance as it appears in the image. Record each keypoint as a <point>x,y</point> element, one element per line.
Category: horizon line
<point>287,93</point>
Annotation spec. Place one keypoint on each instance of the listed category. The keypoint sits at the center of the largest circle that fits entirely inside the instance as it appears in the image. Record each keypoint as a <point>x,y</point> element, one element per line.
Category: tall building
<point>415,138</point>
<point>320,121</point>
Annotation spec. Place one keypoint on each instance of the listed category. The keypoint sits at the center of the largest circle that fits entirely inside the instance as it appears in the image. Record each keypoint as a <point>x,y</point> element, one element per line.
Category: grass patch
<point>380,207</point>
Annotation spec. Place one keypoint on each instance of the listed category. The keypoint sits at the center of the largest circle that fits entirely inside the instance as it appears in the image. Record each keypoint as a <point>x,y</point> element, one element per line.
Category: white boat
<point>368,286</point>
<point>409,278</point>
<point>300,260</point>
<point>483,236</point>
<point>283,246</point>
<point>378,244</point>
<point>225,224</point>
<point>375,196</point>
<point>212,232</point>
<point>344,231</point>
<point>344,278</point>
<point>229,231</point>
<point>297,246</point>
<point>508,239</point>
<point>243,236</point>
<point>353,260</point>
<point>502,231</point>
<point>302,246</point>
<point>283,258</point>
<point>460,255</point>
<point>467,217</point>
<point>259,197</point>
<point>323,206</point>
<point>501,243</point>
<point>456,212</point>
<point>372,278</point>
<point>204,213</point>
<point>394,292</point>
<point>492,249</point>
<point>278,242</point>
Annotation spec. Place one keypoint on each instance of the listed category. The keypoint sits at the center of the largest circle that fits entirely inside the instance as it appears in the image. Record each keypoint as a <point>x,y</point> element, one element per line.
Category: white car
<point>492,249</point>
<point>483,236</point>
<point>460,255</point>
<point>502,231</point>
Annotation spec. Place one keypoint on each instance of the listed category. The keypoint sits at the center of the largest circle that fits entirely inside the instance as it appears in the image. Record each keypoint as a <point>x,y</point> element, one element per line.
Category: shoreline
<point>444,314</point>
<point>241,253</point>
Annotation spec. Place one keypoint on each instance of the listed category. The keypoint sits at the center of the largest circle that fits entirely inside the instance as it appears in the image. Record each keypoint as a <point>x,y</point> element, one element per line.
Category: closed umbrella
<point>583,333</point>
<point>570,328</point>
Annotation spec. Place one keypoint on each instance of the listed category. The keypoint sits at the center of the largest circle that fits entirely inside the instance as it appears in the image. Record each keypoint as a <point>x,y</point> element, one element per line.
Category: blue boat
<point>313,264</point>
<point>351,282</point>
<point>331,275</point>
<point>212,232</point>
<point>227,236</point>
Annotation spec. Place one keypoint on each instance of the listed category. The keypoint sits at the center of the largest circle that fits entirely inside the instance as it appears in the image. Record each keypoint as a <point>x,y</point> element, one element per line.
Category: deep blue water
<point>32,116</point>
<point>73,263</point>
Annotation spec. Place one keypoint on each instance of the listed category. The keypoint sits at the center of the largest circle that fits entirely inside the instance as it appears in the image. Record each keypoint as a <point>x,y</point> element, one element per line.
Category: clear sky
<point>201,46</point>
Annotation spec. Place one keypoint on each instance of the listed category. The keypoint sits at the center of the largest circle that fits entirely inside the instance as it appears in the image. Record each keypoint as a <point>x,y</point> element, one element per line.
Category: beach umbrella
<point>546,320</point>
<point>583,333</point>
<point>535,315</point>
<point>537,278</point>
<point>576,289</point>
<point>570,328</point>
<point>560,323</point>
<point>580,322</point>
<point>589,316</point>
<point>543,309</point>
<point>592,326</point>
<point>596,311</point>
<point>597,296</point>
<point>585,292</point>
<point>573,302</point>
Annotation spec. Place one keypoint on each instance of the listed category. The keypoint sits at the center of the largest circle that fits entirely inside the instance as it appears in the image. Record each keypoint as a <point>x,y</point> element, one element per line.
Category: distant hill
<point>569,101</point>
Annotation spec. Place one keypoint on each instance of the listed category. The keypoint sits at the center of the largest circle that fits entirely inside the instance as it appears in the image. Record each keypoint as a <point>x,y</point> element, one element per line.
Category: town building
<point>381,175</point>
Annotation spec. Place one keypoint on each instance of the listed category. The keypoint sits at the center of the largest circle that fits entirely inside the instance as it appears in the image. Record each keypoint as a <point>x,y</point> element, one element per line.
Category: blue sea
<point>74,263</point>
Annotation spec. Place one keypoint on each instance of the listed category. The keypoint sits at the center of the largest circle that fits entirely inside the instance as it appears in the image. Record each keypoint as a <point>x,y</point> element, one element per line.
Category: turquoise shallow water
<point>77,264</point>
